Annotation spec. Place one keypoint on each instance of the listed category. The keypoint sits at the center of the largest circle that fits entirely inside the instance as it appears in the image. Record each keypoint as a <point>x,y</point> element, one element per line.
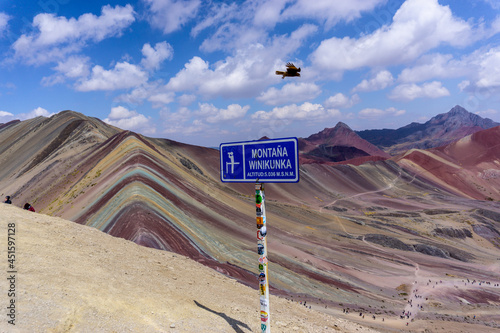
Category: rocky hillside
<point>439,130</point>
<point>337,144</point>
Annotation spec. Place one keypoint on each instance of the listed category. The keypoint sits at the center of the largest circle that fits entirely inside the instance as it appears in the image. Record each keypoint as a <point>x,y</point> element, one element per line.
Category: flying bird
<point>291,70</point>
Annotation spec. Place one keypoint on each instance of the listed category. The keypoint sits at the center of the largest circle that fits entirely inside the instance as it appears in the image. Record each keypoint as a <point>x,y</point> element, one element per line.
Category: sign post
<point>259,162</point>
<point>260,208</point>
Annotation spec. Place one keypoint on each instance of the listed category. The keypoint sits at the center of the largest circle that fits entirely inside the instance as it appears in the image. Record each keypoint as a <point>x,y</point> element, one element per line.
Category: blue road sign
<point>264,161</point>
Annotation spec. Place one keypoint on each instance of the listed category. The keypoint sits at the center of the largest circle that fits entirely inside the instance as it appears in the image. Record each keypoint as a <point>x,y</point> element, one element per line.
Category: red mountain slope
<point>469,166</point>
<point>336,144</point>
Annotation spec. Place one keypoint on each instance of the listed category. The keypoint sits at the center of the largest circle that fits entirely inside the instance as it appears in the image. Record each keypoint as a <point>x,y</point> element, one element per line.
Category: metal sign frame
<point>261,161</point>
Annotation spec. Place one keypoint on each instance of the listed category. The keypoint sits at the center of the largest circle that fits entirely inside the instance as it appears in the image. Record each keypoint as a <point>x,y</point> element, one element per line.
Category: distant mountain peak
<point>458,109</point>
<point>342,125</point>
<point>338,144</point>
<point>439,130</point>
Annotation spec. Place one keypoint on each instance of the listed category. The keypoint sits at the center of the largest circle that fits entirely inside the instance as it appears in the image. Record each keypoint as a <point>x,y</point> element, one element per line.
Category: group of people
<point>27,206</point>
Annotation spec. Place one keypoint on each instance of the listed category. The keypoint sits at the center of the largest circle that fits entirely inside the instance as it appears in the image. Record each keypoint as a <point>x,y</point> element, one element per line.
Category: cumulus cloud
<point>483,71</point>
<point>74,67</point>
<point>434,66</point>
<point>39,111</point>
<point>372,113</point>
<point>290,93</point>
<point>417,27</point>
<point>122,76</point>
<point>154,56</point>
<point>5,114</point>
<point>171,15</point>
<point>488,75</point>
<point>382,80</point>
<point>341,101</point>
<point>57,36</point>
<point>243,74</point>
<point>186,99</point>
<point>154,92</point>
<point>306,111</point>
<point>213,114</point>
<point>409,92</point>
<point>124,118</point>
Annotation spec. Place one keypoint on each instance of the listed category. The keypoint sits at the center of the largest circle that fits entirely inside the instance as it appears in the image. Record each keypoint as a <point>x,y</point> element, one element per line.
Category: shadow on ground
<point>235,324</point>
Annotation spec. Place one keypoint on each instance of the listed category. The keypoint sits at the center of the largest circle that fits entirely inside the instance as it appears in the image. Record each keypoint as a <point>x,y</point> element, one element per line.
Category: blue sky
<point>202,72</point>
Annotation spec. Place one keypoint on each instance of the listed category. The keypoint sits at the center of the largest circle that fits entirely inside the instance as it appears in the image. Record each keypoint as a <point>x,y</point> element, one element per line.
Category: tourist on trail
<point>7,200</point>
<point>29,207</point>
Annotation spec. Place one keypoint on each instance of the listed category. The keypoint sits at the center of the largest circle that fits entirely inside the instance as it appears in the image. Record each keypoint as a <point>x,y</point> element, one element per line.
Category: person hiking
<point>29,207</point>
<point>7,200</point>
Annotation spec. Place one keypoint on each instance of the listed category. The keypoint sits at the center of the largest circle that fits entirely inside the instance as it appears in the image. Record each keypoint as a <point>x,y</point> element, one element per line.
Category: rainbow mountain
<point>328,234</point>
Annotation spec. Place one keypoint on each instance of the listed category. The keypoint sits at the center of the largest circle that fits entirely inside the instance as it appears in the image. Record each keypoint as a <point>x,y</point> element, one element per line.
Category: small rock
<point>172,325</point>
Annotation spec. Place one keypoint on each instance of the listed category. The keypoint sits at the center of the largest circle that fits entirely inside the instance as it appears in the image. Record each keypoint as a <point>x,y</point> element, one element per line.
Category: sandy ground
<point>73,278</point>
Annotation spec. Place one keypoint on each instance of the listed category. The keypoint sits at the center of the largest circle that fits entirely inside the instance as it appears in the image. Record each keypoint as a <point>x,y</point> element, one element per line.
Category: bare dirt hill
<point>74,278</point>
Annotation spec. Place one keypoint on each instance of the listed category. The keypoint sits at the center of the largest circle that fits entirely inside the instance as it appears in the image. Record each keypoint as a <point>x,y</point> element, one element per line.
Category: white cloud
<point>4,21</point>
<point>464,85</point>
<point>5,114</point>
<point>122,76</point>
<point>417,27</point>
<point>161,98</point>
<point>186,99</point>
<point>329,12</point>
<point>290,93</point>
<point>182,115</point>
<point>58,36</point>
<point>243,74</point>
<point>341,101</point>
<point>371,113</point>
<point>124,118</point>
<point>171,15</point>
<point>188,77</point>
<point>306,111</point>
<point>268,13</point>
<point>217,14</point>
<point>489,69</point>
<point>74,67</point>
<point>434,66</point>
<point>213,114</point>
<point>153,57</point>
<point>382,80</point>
<point>154,92</point>
<point>120,112</point>
<point>39,111</point>
<point>409,92</point>
<point>483,72</point>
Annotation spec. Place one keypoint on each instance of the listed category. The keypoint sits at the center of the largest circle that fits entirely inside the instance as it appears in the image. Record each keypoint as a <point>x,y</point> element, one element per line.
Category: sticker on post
<point>264,316</point>
<point>263,302</point>
<point>260,222</point>
<point>262,288</point>
<point>260,249</point>
<point>261,233</point>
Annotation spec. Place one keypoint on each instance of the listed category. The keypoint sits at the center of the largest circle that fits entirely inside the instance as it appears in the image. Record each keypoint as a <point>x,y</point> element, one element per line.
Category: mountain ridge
<point>336,144</point>
<point>440,130</point>
<point>168,195</point>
